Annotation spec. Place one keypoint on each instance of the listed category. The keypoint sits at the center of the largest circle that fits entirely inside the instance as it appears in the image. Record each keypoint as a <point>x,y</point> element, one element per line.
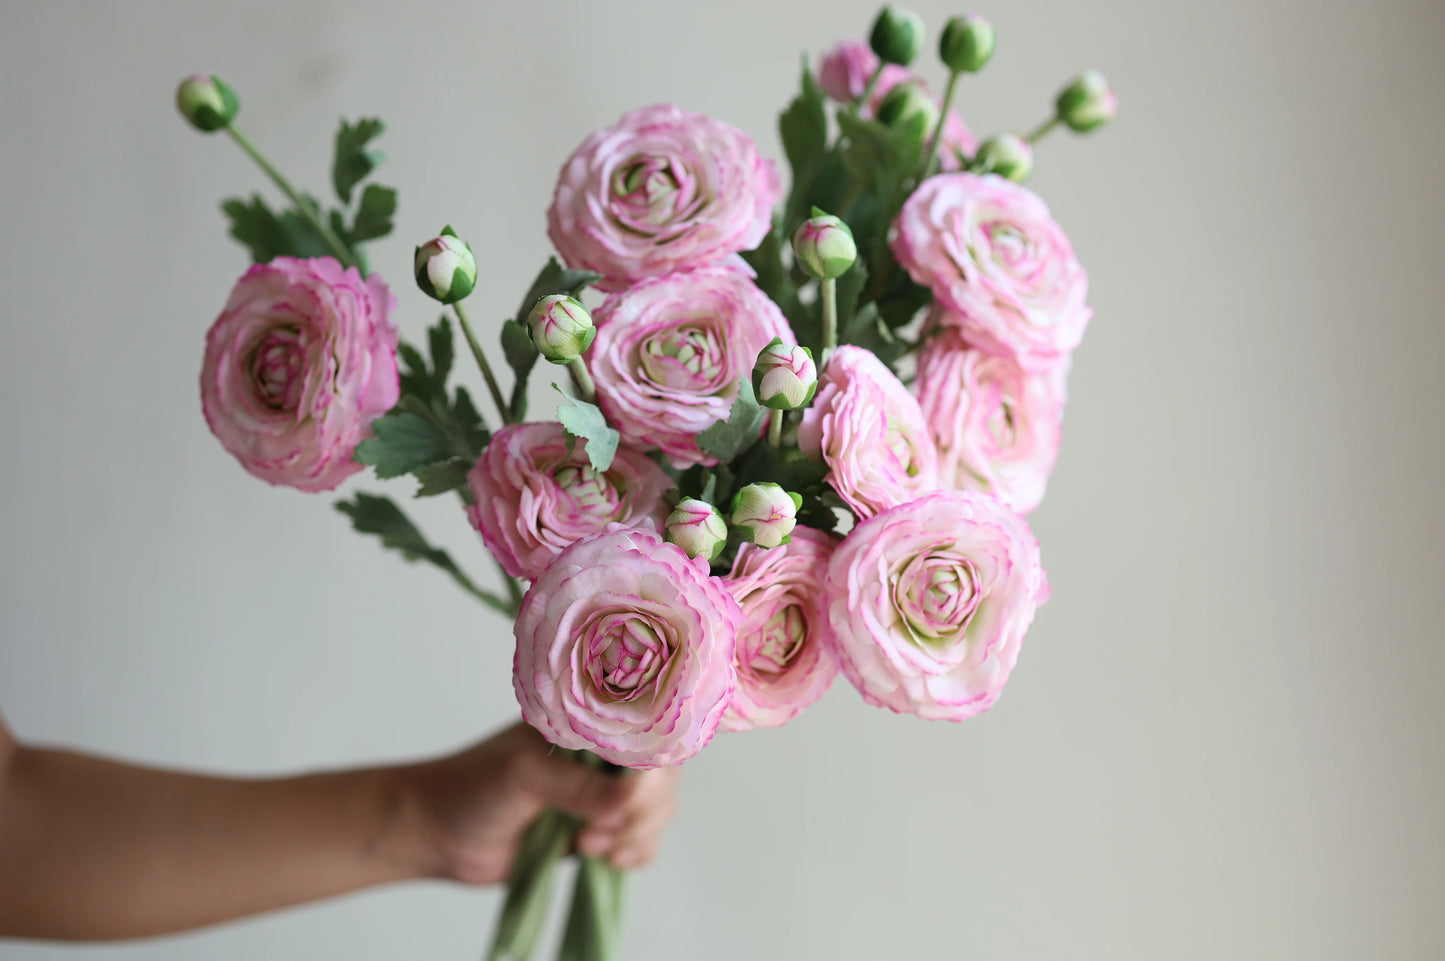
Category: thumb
<point>577,788</point>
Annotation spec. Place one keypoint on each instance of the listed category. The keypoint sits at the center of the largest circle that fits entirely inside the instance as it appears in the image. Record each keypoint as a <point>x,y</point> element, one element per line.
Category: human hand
<point>462,817</point>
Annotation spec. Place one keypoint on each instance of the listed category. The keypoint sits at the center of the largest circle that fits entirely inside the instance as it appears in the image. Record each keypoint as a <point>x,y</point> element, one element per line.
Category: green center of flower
<point>648,190</point>
<point>937,596</point>
<point>900,447</point>
<point>625,656</point>
<point>277,365</point>
<point>782,638</point>
<point>589,492</point>
<point>1002,425</point>
<point>686,357</point>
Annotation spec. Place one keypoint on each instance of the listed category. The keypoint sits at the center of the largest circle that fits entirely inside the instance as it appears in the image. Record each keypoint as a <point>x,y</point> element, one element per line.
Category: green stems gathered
<point>503,410</point>
<point>305,209</point>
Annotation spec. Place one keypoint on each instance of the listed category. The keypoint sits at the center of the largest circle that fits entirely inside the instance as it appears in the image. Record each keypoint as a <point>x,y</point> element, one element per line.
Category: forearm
<point>93,849</point>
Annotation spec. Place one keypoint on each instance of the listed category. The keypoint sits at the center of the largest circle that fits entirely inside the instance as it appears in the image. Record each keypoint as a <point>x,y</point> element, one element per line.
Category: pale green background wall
<point>1224,738</point>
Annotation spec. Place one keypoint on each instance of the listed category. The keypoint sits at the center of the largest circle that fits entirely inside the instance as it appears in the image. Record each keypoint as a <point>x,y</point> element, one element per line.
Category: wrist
<point>406,842</point>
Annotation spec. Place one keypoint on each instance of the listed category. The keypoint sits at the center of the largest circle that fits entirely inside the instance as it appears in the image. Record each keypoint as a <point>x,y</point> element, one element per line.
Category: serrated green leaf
<point>403,441</point>
<point>586,421</point>
<point>269,235</point>
<point>443,478</point>
<point>373,215</point>
<point>353,162</point>
<point>372,514</point>
<point>728,438</point>
<point>521,355</point>
<point>441,341</point>
<point>468,427</point>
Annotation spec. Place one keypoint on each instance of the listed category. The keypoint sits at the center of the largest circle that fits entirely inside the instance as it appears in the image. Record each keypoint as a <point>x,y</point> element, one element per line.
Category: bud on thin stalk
<point>207,102</point>
<point>966,44</point>
<point>767,512</point>
<point>1086,103</point>
<point>445,268</point>
<point>698,528</point>
<point>1007,155</point>
<point>897,35</point>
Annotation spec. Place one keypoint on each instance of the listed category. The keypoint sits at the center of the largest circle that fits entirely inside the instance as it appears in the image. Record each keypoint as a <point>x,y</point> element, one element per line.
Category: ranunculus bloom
<point>997,425</point>
<point>663,190</point>
<point>869,430</point>
<point>297,366</point>
<point>998,262</point>
<point>844,73</point>
<point>534,499</point>
<point>782,659</point>
<point>625,647</point>
<point>669,354</point>
<point>929,602</point>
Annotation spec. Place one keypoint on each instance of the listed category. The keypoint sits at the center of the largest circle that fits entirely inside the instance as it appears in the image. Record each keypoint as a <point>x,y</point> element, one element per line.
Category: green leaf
<point>443,478</point>
<point>522,357</point>
<point>403,442</point>
<point>373,216</point>
<point>582,419</point>
<point>468,427</point>
<point>353,162</point>
<point>803,127</point>
<point>269,235</point>
<point>442,344</point>
<point>728,438</point>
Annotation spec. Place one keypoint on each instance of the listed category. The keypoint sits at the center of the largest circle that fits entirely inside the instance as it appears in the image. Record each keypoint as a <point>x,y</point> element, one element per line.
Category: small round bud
<point>698,528</point>
<point>824,246</point>
<point>897,35</point>
<point>909,103</point>
<point>561,328</point>
<point>785,376</point>
<point>966,44</point>
<point>1087,102</point>
<point>445,268</point>
<point>767,512</point>
<point>207,102</point>
<point>1007,155</point>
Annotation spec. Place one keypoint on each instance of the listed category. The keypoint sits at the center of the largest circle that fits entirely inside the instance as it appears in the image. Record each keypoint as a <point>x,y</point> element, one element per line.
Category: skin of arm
<point>94,849</point>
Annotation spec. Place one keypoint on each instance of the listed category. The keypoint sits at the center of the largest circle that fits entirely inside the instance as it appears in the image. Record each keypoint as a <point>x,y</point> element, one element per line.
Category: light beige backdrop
<point>1224,737</point>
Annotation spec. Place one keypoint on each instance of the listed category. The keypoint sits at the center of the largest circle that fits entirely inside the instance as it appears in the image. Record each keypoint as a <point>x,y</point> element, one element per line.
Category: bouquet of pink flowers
<point>802,432</point>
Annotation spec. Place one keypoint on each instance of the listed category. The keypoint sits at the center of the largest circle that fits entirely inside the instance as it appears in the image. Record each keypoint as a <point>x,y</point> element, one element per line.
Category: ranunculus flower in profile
<point>869,430</point>
<point>783,662</point>
<point>669,354</point>
<point>664,189</point>
<point>844,73</point>
<point>998,262</point>
<point>929,602</point>
<point>534,498</point>
<point>997,426</point>
<point>298,365</point>
<point>625,647</point>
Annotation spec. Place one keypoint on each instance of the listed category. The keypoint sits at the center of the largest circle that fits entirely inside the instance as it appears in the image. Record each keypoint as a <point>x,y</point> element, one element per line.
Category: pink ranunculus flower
<point>869,430</point>
<point>929,602</point>
<point>298,365</point>
<point>664,189</point>
<point>997,426</point>
<point>534,498</point>
<point>625,647</point>
<point>844,74</point>
<point>669,354</point>
<point>998,262</point>
<point>783,661</point>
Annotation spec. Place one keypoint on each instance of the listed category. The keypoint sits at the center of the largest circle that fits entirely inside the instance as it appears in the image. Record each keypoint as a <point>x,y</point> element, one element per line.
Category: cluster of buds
<point>762,513</point>
<point>445,268</point>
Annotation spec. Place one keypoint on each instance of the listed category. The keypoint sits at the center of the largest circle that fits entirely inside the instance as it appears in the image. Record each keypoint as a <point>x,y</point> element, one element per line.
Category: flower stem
<point>305,209</point>
<point>933,141</point>
<point>1042,129</point>
<point>829,289</point>
<point>481,359</point>
<point>582,379</point>
<point>775,429</point>
<point>862,100</point>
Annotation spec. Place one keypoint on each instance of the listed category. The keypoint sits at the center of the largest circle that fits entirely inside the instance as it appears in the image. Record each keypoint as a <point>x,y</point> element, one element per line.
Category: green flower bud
<point>785,376</point>
<point>767,512</point>
<point>207,102</point>
<point>906,104</point>
<point>561,328</point>
<point>445,268</point>
<point>897,35</point>
<point>1087,102</point>
<point>698,528</point>
<point>966,44</point>
<point>824,246</point>
<point>1007,155</point>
